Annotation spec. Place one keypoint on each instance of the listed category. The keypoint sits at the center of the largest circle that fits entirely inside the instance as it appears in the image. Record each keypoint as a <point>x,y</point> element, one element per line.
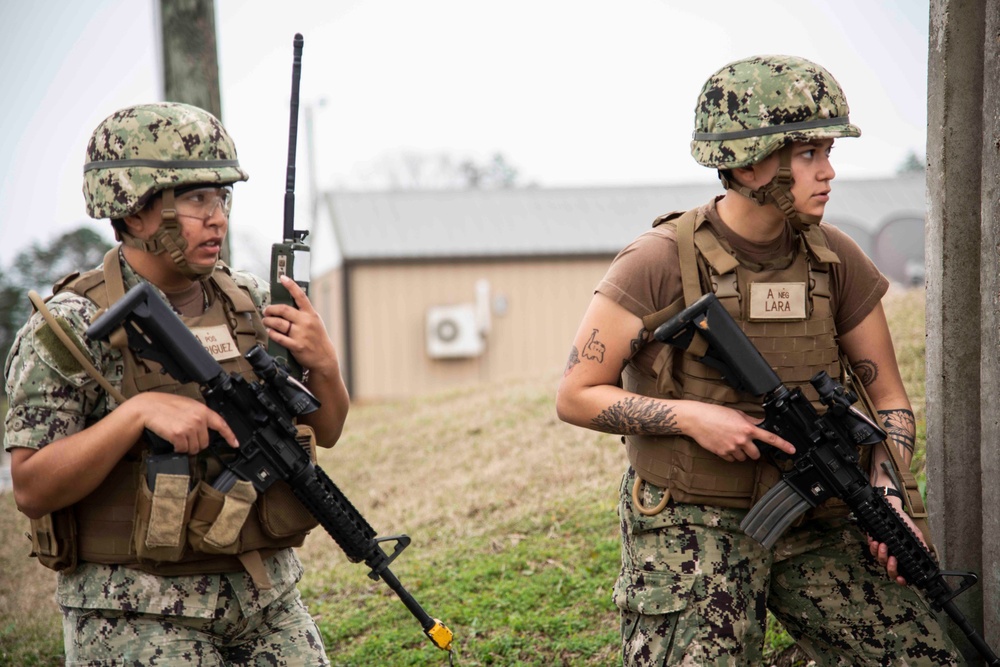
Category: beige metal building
<point>429,290</point>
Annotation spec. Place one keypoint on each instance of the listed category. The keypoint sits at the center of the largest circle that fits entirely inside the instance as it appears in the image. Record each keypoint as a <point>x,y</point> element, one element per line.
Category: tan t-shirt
<point>645,277</point>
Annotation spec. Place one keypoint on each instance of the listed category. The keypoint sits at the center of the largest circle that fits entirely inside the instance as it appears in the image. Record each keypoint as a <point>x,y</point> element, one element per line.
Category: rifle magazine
<point>774,513</point>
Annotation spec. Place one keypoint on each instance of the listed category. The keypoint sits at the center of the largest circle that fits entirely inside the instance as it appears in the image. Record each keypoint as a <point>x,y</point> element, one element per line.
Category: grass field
<point>512,516</point>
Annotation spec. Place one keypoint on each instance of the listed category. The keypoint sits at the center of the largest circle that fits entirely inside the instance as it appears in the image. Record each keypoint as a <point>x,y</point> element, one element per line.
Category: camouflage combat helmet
<point>753,107</point>
<point>141,150</point>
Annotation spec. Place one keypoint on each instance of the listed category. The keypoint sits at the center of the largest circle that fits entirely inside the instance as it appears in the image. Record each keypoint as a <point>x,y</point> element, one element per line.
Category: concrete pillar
<point>990,330</point>
<point>954,306</point>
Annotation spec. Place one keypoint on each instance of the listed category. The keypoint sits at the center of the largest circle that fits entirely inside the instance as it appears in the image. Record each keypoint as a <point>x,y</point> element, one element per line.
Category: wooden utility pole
<point>190,59</point>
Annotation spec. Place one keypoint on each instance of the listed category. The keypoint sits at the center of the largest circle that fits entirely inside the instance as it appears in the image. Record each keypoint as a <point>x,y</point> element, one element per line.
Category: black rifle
<point>825,463</point>
<point>292,246</point>
<point>261,415</point>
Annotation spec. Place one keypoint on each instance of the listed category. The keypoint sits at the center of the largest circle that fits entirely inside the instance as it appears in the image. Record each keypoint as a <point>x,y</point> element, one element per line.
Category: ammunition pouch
<point>216,525</point>
<point>53,540</point>
<point>160,517</point>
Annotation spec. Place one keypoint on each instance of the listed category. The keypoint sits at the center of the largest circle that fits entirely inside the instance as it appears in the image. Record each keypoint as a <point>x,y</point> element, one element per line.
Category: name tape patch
<point>777,301</point>
<point>217,341</point>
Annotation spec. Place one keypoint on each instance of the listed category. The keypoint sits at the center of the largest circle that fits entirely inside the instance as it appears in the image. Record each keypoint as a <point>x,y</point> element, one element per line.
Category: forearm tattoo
<point>574,359</point>
<point>637,415</point>
<point>866,371</point>
<point>901,427</point>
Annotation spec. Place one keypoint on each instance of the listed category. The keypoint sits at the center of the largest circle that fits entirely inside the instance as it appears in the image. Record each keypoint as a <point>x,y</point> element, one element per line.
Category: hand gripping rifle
<point>261,415</point>
<point>292,246</point>
<point>825,463</point>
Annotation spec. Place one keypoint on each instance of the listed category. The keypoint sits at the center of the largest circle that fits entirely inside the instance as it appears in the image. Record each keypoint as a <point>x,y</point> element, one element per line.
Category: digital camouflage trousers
<point>695,590</point>
<point>282,634</point>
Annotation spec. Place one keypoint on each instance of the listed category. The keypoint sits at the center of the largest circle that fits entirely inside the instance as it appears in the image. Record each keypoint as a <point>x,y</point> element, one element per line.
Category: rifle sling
<point>73,348</point>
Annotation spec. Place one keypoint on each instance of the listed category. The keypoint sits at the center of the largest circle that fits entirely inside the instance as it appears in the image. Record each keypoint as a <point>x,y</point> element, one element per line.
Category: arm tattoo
<point>866,371</point>
<point>636,415</point>
<point>594,349</point>
<point>574,359</point>
<point>901,428</point>
<point>636,344</point>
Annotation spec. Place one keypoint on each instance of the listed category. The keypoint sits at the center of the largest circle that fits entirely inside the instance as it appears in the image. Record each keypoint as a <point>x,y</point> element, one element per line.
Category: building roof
<point>524,222</point>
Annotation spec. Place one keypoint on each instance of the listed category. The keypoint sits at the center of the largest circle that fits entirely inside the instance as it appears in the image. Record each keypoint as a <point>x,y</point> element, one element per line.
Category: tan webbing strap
<point>816,243</point>
<point>254,565</point>
<point>239,299</point>
<point>698,347</point>
<point>73,349</point>
<point>114,286</point>
<point>65,280</point>
<point>819,283</point>
<point>708,244</point>
<point>673,215</point>
<point>654,320</point>
<point>688,257</point>
<point>248,329</point>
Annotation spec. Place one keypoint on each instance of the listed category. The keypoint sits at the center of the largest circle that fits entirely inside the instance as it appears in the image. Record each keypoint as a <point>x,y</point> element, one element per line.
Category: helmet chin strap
<point>778,192</point>
<point>168,238</point>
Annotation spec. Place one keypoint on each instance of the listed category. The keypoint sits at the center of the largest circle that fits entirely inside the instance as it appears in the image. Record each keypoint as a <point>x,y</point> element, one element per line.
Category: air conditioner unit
<point>453,332</point>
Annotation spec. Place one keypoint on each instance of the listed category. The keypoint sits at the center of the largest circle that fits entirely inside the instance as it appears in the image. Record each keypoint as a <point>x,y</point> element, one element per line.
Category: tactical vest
<point>189,528</point>
<point>796,336</point>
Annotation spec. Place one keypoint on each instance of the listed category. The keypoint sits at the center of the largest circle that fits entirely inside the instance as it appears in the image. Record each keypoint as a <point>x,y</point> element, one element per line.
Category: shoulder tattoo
<point>636,415</point>
<point>901,427</point>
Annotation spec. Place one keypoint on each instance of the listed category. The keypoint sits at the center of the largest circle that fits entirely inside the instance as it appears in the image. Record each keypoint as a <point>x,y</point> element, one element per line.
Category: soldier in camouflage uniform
<point>163,174</point>
<point>693,588</point>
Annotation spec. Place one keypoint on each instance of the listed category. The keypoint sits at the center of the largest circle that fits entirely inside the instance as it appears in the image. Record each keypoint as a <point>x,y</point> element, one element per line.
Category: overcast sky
<point>573,92</point>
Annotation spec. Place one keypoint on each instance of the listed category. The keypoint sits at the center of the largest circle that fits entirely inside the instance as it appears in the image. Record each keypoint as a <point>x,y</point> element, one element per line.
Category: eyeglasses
<point>202,203</point>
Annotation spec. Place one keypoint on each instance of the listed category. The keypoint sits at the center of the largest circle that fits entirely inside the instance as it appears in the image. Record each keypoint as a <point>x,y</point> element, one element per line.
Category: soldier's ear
<point>146,220</point>
<point>744,176</point>
<point>759,174</point>
<point>130,222</point>
<point>134,224</point>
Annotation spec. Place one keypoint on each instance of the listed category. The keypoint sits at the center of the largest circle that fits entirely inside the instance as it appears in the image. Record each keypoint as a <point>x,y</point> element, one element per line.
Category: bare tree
<point>438,171</point>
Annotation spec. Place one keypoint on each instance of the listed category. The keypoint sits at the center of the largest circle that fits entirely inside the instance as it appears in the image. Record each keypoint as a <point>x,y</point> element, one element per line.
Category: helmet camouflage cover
<point>140,150</point>
<point>752,107</point>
